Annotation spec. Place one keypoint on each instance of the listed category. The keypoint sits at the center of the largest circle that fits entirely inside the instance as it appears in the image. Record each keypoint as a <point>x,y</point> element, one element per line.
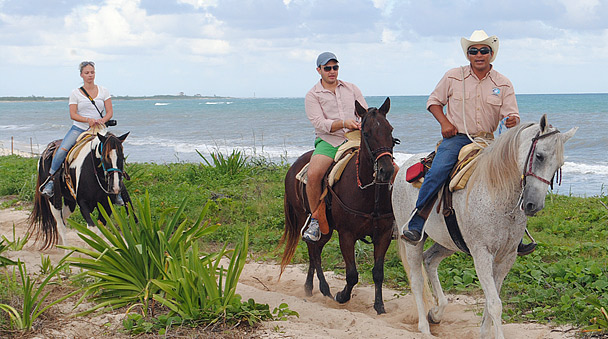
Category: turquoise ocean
<point>171,130</point>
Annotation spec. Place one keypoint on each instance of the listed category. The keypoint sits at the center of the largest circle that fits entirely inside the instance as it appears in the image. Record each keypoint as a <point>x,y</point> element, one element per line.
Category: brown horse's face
<point>377,137</point>
<point>112,159</point>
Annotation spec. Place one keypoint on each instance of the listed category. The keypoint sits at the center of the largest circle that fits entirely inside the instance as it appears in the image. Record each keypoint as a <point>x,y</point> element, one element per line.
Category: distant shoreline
<point>114,97</point>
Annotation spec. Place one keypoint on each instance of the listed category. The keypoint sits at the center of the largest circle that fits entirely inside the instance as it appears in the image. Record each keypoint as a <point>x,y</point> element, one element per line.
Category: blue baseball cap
<point>325,57</point>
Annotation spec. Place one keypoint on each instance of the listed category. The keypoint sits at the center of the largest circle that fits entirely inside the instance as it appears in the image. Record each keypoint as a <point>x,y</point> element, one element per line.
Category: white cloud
<point>199,4</point>
<point>150,46</point>
<point>581,11</point>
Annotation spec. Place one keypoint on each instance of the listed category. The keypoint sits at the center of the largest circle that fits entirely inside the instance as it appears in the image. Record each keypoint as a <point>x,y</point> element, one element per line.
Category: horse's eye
<point>539,157</point>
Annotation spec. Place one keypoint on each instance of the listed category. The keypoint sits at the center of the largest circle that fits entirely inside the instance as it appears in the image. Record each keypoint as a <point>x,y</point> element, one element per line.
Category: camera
<point>111,123</point>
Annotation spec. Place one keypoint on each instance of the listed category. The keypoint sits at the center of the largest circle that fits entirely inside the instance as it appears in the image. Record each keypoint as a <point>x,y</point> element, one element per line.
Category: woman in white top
<point>84,114</point>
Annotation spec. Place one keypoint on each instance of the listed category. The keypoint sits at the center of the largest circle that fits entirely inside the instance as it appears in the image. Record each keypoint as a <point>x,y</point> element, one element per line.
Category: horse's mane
<point>497,165</point>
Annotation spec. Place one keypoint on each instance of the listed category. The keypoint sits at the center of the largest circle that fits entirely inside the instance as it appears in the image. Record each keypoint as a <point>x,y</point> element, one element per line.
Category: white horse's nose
<point>530,209</point>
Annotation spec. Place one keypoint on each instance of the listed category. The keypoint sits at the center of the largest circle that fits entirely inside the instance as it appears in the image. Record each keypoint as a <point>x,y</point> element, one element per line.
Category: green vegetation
<point>128,255</point>
<point>564,281</point>
<point>33,295</point>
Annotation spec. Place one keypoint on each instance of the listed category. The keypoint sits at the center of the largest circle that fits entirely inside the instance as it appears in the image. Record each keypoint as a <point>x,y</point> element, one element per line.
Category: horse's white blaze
<point>114,174</point>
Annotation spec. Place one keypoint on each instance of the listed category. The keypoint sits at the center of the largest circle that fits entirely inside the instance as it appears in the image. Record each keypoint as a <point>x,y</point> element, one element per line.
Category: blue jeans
<point>68,142</point>
<point>443,163</point>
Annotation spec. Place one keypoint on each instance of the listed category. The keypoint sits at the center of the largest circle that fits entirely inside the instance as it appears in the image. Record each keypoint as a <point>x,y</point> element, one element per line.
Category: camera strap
<point>92,101</point>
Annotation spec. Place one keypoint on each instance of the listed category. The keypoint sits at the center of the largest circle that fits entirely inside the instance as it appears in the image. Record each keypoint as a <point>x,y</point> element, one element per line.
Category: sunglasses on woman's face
<point>483,50</point>
<point>329,68</point>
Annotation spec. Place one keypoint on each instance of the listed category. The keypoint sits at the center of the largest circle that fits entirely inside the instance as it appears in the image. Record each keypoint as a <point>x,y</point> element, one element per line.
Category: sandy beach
<point>319,317</point>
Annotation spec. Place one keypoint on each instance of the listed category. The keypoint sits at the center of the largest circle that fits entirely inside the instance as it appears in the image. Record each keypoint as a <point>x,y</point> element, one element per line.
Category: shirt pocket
<point>458,95</point>
<point>494,100</point>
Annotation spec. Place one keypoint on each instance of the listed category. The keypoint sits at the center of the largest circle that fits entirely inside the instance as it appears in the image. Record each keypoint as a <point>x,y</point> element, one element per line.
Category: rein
<point>376,155</point>
<point>382,151</point>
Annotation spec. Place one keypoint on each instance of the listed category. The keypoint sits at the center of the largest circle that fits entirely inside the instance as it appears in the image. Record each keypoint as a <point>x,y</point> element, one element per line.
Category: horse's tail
<point>427,295</point>
<point>291,235</point>
<point>41,221</point>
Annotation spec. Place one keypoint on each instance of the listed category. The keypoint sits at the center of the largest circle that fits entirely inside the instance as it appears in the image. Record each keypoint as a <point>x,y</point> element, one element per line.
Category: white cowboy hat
<point>480,37</point>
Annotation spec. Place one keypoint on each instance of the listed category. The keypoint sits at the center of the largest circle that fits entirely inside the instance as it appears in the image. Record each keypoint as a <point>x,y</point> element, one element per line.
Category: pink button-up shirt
<point>323,107</point>
<point>487,101</point>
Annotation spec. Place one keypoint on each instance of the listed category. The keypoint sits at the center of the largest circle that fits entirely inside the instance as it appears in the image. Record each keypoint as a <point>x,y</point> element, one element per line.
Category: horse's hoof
<point>380,309</point>
<point>432,320</point>
<point>341,299</point>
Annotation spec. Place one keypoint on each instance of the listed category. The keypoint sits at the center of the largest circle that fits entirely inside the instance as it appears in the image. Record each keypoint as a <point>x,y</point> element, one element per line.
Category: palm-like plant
<point>33,297</point>
<point>129,254</point>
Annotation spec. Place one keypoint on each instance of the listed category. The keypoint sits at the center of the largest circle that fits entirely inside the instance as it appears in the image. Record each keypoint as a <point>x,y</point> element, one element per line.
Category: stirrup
<point>305,224</point>
<point>44,183</point>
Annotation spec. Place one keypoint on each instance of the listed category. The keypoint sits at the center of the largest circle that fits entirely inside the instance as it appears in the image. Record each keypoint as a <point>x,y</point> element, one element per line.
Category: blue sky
<point>268,48</point>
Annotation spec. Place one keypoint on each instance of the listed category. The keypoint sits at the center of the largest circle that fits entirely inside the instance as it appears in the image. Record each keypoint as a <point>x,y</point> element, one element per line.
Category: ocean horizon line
<point>34,98</point>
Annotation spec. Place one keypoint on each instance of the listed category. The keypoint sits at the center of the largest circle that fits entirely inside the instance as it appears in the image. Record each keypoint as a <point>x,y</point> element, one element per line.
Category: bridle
<point>106,171</point>
<point>376,155</point>
<point>530,159</point>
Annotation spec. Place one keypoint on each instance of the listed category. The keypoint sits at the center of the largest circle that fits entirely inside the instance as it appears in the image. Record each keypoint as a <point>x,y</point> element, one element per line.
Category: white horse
<point>491,213</point>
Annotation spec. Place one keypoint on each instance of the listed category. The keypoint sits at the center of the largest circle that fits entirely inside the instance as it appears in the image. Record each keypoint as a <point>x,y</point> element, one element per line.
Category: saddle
<point>462,171</point>
<point>458,179</point>
<point>83,139</point>
<point>345,153</point>
<point>343,156</point>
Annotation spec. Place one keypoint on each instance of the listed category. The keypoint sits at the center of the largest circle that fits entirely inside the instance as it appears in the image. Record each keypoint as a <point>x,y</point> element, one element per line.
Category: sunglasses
<point>85,64</point>
<point>483,50</point>
<point>329,68</point>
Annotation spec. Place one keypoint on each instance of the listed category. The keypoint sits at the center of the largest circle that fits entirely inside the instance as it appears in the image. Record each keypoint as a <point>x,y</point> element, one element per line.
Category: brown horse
<point>358,205</point>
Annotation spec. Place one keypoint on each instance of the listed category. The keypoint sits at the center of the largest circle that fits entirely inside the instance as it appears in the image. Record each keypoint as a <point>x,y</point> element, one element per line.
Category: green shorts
<point>325,148</point>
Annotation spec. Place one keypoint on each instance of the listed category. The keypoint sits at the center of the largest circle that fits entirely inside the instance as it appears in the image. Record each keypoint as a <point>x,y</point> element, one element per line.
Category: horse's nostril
<point>530,207</point>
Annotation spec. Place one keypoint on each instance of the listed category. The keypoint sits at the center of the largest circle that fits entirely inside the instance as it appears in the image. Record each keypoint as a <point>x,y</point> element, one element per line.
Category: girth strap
<point>451,222</point>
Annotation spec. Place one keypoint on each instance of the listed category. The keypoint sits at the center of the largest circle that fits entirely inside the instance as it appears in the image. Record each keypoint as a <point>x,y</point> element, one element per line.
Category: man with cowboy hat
<point>489,98</point>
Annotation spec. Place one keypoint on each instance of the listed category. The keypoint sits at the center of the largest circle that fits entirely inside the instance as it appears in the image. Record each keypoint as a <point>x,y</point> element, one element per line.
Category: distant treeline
<point>115,97</point>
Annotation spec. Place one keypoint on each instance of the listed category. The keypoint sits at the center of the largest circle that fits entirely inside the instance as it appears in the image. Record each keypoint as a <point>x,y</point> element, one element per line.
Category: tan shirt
<point>487,101</point>
<point>323,107</point>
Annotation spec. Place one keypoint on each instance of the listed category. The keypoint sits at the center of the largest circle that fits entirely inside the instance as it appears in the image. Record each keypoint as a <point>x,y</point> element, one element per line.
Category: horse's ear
<point>386,106</point>
<point>569,134</point>
<point>102,138</point>
<point>123,137</point>
<point>544,126</point>
<point>360,110</point>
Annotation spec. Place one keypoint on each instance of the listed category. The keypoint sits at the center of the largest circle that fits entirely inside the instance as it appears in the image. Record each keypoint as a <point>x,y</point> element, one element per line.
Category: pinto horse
<point>95,174</point>
<point>509,184</point>
<point>358,205</point>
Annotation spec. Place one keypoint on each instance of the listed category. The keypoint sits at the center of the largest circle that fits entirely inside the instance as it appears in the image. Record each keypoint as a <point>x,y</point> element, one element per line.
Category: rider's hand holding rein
<point>349,124</point>
<point>511,121</point>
